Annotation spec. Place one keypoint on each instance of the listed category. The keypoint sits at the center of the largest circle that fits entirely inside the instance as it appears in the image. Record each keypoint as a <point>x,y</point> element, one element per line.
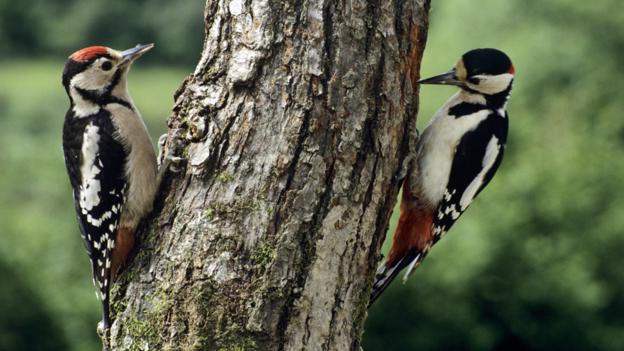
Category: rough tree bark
<point>295,124</point>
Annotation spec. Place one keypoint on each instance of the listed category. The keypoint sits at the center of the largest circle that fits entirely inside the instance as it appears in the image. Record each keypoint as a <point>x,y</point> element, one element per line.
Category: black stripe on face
<point>465,109</point>
<point>97,97</point>
<point>116,79</point>
<point>113,84</point>
<point>102,99</point>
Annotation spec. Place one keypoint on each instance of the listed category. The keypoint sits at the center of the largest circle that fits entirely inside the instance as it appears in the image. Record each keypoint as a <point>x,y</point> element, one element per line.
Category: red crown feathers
<point>89,53</point>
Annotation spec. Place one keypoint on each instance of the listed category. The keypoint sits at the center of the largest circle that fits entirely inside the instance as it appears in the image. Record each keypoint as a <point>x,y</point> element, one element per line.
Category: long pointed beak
<point>128,56</point>
<point>448,78</point>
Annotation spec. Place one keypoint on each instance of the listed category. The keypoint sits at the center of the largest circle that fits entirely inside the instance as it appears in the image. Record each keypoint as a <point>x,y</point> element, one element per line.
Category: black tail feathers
<point>106,322</point>
<point>386,274</point>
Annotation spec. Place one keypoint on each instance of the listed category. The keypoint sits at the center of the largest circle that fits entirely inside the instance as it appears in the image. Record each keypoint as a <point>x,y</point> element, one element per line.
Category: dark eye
<point>474,80</point>
<point>106,66</point>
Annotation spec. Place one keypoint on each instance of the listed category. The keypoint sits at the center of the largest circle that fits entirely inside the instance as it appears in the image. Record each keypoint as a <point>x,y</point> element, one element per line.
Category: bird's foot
<point>103,334</point>
<point>166,160</point>
<point>405,167</point>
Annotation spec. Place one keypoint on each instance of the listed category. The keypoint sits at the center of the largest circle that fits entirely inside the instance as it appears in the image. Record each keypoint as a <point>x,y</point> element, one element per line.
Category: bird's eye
<point>474,80</point>
<point>106,66</point>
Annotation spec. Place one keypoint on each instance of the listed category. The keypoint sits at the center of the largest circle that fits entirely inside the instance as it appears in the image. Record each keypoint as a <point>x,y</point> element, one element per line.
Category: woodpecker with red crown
<point>110,160</point>
<point>456,156</point>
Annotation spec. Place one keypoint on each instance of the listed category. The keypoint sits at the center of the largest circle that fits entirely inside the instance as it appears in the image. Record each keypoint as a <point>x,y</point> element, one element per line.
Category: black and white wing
<point>477,157</point>
<point>95,162</point>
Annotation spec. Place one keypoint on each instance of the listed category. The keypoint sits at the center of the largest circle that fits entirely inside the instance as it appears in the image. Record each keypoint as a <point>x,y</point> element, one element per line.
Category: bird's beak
<point>448,78</point>
<point>128,56</point>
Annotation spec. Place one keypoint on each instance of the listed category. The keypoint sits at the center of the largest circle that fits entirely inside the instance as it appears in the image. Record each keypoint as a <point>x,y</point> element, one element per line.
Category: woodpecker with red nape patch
<point>110,160</point>
<point>456,157</point>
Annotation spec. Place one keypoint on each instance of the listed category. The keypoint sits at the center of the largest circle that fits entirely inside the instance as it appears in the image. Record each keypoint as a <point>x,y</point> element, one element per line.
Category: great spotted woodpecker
<point>456,157</point>
<point>110,160</point>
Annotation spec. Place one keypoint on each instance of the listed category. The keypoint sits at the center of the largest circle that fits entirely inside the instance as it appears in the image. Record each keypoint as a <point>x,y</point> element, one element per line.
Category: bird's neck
<point>492,101</point>
<point>499,100</point>
<point>471,97</point>
<point>89,102</point>
<point>81,103</point>
<point>120,89</point>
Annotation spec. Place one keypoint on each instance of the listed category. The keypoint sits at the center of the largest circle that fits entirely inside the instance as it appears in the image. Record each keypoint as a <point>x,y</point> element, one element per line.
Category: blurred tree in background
<point>535,264</point>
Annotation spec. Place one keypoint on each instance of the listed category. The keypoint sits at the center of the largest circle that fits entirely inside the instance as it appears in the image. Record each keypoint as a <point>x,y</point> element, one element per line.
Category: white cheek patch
<point>90,187</point>
<point>492,84</point>
<point>82,108</point>
<point>93,78</point>
<point>491,152</point>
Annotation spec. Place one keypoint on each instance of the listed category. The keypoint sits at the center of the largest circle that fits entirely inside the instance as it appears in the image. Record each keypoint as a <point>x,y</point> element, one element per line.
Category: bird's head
<point>98,69</point>
<point>486,71</point>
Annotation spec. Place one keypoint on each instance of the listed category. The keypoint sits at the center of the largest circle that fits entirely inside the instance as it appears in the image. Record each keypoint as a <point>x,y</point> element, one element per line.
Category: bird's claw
<point>166,159</point>
<point>162,140</point>
<point>175,163</point>
<point>406,166</point>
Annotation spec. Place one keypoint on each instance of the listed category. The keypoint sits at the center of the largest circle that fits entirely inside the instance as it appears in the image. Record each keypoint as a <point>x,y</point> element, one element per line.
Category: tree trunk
<point>295,125</point>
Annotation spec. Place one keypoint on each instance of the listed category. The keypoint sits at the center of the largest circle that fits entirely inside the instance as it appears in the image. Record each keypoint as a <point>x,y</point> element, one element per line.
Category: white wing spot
<point>98,222</point>
<point>90,187</point>
<point>454,213</point>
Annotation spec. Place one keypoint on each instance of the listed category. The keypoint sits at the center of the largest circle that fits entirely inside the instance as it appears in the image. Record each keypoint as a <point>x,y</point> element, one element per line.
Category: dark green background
<point>535,264</point>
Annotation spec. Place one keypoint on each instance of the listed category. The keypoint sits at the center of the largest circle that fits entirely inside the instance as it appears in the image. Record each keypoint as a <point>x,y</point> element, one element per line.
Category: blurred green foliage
<point>26,323</point>
<point>60,27</point>
<point>535,264</point>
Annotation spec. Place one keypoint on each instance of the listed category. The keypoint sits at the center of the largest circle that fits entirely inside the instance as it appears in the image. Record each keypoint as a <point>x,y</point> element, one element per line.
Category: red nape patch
<point>89,53</point>
<point>512,70</point>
